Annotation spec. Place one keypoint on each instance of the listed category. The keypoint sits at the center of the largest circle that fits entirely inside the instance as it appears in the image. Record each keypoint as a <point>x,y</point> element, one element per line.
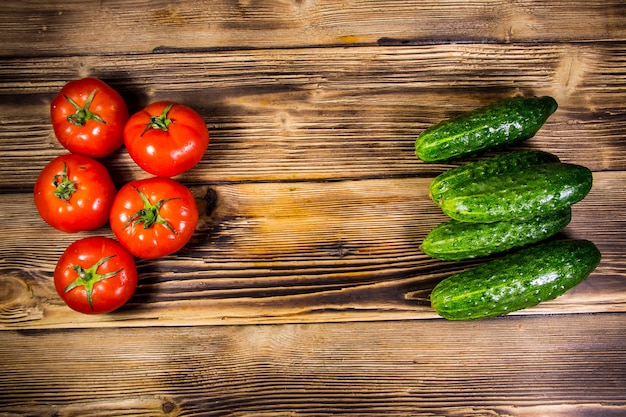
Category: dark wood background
<point>290,298</point>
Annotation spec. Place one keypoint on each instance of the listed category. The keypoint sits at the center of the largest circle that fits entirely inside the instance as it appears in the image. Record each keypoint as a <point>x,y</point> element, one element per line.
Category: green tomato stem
<point>159,122</point>
<point>64,187</point>
<point>149,215</point>
<point>83,114</point>
<point>88,277</point>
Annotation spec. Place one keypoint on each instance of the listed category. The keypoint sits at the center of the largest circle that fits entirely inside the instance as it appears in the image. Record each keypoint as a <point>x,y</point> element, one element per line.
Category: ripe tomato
<point>95,275</point>
<point>74,193</point>
<point>154,217</point>
<point>88,117</point>
<point>166,138</point>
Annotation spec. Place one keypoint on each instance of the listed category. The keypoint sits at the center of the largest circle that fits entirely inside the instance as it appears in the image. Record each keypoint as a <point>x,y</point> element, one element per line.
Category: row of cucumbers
<point>509,204</point>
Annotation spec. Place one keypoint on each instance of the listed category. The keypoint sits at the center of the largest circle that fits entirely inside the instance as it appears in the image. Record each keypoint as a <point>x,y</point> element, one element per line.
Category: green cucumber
<point>516,281</point>
<point>456,241</point>
<point>523,194</point>
<point>488,167</point>
<point>504,122</point>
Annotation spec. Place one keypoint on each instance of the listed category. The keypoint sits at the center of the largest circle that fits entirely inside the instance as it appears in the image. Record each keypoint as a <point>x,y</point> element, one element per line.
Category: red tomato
<point>95,275</point>
<point>166,138</point>
<point>88,117</point>
<point>74,193</point>
<point>154,217</point>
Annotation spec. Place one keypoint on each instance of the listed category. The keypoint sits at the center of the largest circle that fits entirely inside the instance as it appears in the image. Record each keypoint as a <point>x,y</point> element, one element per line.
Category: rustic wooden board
<point>314,203</point>
<point>293,252</point>
<point>39,28</point>
<point>313,207</point>
<point>336,113</point>
<point>523,367</point>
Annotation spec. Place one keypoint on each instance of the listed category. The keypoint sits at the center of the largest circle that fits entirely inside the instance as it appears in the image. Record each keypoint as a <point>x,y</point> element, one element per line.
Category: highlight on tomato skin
<point>154,217</point>
<point>95,275</point>
<point>88,117</point>
<point>74,193</point>
<point>166,138</point>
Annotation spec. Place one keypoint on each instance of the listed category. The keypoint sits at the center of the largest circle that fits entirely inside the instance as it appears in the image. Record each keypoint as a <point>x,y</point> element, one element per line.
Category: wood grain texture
<point>523,367</point>
<point>39,27</point>
<point>314,202</point>
<point>293,252</point>
<point>306,114</point>
<point>290,298</point>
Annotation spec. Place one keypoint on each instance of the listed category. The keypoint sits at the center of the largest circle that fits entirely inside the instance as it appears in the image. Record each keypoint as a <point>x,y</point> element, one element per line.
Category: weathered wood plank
<point>38,28</point>
<point>292,252</point>
<point>519,367</point>
<point>330,114</point>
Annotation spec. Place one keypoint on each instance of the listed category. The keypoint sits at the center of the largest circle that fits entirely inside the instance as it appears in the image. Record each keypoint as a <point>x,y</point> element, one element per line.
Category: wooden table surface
<point>290,298</point>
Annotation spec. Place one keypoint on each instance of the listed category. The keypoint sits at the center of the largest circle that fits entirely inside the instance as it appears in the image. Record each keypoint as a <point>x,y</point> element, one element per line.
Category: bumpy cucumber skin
<point>516,281</point>
<point>456,241</point>
<point>520,195</point>
<point>488,167</point>
<point>504,122</point>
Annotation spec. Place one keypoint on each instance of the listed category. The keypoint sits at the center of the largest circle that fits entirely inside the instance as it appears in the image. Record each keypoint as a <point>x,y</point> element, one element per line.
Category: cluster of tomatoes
<point>150,217</point>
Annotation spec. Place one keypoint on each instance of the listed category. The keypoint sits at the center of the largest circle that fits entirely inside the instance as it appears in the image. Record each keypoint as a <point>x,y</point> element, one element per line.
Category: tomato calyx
<point>88,277</point>
<point>159,122</point>
<point>64,186</point>
<point>149,215</point>
<point>83,114</point>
